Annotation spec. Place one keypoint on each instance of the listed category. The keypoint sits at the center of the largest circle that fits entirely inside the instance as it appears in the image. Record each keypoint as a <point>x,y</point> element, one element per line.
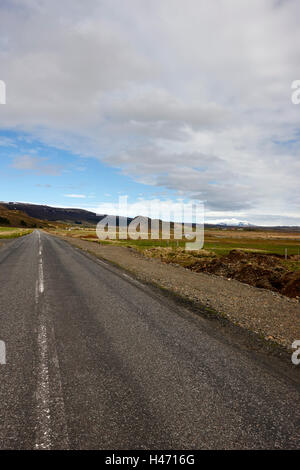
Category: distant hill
<point>18,218</point>
<point>54,214</point>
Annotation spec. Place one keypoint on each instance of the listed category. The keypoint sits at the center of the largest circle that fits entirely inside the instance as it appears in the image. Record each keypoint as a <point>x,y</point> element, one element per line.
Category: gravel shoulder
<point>273,317</point>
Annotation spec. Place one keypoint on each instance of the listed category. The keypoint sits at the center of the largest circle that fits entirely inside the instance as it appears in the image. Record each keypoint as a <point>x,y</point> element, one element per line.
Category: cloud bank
<point>192,96</point>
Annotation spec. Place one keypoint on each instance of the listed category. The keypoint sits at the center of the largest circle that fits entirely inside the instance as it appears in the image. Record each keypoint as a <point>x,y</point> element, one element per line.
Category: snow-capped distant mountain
<point>231,222</point>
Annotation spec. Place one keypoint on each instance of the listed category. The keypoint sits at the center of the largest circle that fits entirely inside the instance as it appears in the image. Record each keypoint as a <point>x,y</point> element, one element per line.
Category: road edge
<point>244,339</point>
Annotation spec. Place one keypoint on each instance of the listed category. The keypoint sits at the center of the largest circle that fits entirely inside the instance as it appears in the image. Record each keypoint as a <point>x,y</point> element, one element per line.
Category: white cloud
<point>76,196</point>
<point>36,165</point>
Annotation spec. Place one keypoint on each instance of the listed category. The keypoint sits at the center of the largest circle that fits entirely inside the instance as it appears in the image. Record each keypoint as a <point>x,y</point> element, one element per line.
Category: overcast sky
<point>145,97</point>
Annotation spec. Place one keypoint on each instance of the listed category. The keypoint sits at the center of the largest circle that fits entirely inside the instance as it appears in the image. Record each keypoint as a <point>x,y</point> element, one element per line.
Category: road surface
<point>95,360</point>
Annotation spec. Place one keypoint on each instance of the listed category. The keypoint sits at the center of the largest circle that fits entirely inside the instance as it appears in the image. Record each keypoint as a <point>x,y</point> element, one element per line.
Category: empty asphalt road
<point>95,360</point>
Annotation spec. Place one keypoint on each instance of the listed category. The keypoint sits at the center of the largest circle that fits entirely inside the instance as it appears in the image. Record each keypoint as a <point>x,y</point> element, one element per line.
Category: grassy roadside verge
<point>7,233</point>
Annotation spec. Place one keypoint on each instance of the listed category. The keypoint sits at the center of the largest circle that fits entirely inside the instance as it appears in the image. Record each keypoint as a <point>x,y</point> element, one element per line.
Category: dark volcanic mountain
<point>56,214</point>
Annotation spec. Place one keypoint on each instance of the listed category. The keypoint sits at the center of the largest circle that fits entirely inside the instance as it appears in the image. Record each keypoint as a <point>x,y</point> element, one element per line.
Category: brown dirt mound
<point>291,283</point>
<point>258,270</point>
<point>89,236</point>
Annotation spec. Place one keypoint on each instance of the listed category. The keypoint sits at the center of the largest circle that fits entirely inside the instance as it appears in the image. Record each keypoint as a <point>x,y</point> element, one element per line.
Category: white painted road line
<point>41,278</point>
<point>44,432</point>
<point>133,280</point>
<point>43,435</point>
<point>102,262</point>
<point>36,291</point>
<point>41,272</point>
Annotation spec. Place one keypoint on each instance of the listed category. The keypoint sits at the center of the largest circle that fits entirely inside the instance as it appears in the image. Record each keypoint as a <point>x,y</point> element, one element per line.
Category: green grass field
<point>12,232</point>
<point>7,229</point>
<point>217,241</point>
<point>218,247</point>
<point>224,247</point>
